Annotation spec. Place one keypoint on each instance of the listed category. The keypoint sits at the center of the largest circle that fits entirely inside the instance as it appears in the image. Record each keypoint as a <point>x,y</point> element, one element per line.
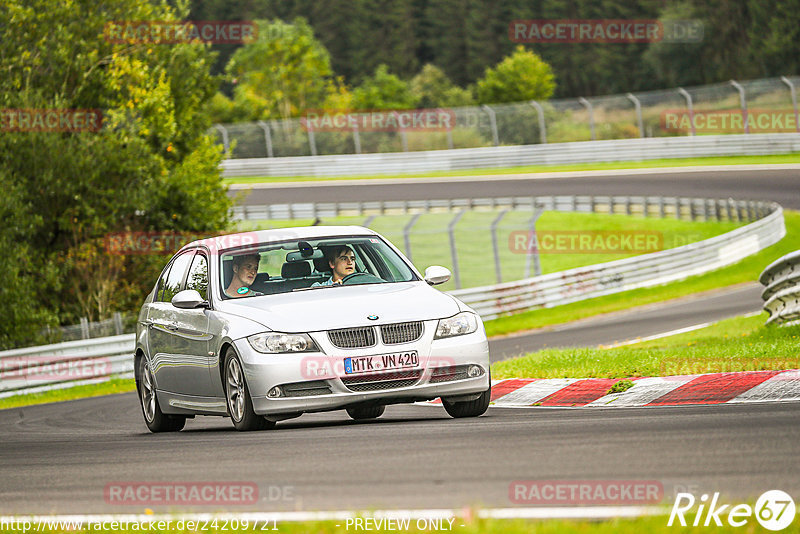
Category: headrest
<point>322,265</point>
<point>296,269</point>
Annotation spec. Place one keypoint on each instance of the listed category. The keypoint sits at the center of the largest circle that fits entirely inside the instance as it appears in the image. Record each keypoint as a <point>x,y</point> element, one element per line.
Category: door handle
<point>173,325</point>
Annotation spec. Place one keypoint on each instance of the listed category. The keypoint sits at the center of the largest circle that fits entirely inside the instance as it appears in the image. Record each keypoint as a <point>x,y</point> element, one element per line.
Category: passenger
<point>245,268</point>
<point>342,260</point>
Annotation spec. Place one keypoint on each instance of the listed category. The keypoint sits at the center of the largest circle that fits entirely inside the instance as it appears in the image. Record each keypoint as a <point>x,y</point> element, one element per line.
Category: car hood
<point>345,306</point>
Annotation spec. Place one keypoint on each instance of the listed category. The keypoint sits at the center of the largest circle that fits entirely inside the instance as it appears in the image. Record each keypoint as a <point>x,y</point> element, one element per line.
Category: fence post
<point>312,143</point>
<point>743,103</point>
<point>407,235</point>
<point>404,139</point>
<point>542,126</point>
<point>450,139</point>
<point>792,90</point>
<point>689,104</point>
<point>451,231</point>
<point>533,246</point>
<point>494,245</point>
<point>638,106</point>
<point>117,323</point>
<point>225,141</point>
<point>84,328</point>
<point>590,109</point>
<point>356,138</point>
<point>267,137</point>
<point>493,123</point>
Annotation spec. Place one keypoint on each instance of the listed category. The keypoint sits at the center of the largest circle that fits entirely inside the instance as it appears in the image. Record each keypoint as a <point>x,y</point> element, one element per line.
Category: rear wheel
<point>154,418</point>
<point>370,412</point>
<point>237,395</point>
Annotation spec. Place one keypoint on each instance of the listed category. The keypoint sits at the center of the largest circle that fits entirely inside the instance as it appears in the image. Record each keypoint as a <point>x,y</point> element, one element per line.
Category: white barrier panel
<point>516,156</point>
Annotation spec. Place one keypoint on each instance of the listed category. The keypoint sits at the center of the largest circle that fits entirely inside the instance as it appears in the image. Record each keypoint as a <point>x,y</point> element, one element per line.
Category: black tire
<point>154,418</point>
<point>472,408</point>
<point>370,412</point>
<point>237,397</point>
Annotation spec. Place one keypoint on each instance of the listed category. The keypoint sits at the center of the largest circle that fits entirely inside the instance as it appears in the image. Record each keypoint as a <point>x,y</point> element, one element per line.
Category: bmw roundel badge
<point>372,317</point>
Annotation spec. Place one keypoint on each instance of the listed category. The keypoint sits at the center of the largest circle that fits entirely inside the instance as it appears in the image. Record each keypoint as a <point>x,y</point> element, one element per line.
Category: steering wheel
<point>361,278</point>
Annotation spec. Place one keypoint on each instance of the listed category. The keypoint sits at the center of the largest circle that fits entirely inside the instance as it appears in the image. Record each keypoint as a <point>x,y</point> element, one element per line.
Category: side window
<point>173,283</point>
<point>161,283</point>
<point>198,276</point>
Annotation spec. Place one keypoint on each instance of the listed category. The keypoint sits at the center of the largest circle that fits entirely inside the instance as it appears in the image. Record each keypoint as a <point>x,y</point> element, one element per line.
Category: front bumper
<point>265,371</point>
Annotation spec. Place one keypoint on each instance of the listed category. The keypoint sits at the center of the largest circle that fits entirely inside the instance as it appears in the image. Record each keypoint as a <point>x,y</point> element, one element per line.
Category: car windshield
<point>301,265</point>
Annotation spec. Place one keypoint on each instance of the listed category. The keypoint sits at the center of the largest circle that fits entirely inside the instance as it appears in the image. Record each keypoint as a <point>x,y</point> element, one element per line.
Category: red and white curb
<point>716,388</point>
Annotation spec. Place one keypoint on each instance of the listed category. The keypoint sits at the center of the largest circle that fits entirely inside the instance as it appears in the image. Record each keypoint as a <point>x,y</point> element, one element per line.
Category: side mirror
<point>189,299</point>
<point>436,274</point>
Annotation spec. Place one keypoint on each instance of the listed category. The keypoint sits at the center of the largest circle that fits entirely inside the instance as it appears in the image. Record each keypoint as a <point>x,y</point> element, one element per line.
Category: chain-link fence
<point>755,106</point>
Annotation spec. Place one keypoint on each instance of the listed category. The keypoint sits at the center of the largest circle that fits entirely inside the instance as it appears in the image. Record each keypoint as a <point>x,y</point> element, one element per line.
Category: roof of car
<point>226,241</point>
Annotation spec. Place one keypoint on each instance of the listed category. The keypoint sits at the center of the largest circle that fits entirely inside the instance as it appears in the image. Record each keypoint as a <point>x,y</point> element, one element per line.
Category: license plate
<point>381,362</point>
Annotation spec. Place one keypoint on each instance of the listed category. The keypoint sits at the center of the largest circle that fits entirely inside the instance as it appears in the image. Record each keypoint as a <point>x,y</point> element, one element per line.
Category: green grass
<point>115,385</point>
<point>747,270</point>
<point>737,344</point>
<point>430,243</point>
<point>656,524</point>
<point>656,163</point>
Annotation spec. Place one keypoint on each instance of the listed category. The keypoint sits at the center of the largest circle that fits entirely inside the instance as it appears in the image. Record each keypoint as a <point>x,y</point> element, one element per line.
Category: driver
<point>342,261</point>
<point>245,268</point>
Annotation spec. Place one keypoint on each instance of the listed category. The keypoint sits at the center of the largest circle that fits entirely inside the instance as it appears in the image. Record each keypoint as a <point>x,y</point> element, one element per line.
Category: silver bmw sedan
<point>265,326</point>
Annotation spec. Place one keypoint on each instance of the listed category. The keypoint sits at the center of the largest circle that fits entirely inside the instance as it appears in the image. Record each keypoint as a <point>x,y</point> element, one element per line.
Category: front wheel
<point>472,408</point>
<point>370,412</point>
<point>240,405</point>
<point>154,418</point>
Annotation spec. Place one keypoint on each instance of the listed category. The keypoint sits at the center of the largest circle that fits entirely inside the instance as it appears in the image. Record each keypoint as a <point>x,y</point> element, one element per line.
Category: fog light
<point>275,392</point>
<point>474,370</point>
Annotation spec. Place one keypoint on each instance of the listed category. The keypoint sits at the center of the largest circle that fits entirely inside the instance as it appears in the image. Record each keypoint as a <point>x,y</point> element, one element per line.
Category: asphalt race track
<point>643,322</point>
<point>59,458</point>
<point>782,186</point>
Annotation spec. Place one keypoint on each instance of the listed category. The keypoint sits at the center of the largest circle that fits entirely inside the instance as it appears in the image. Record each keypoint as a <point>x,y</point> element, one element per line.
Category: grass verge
<point>747,270</point>
<point>736,344</point>
<point>115,385</point>
<point>652,524</point>
<point>656,163</point>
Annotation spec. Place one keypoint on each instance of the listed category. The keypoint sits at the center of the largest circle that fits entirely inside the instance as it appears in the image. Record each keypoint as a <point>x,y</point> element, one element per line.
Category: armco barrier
<point>782,292</point>
<point>40,368</point>
<point>64,364</point>
<point>515,156</point>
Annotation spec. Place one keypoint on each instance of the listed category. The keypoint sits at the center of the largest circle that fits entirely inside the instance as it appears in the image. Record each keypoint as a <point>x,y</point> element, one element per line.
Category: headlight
<point>276,342</point>
<point>457,325</point>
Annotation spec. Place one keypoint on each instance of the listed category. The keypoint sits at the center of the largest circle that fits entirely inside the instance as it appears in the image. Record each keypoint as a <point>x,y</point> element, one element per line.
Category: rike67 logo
<point>774,510</point>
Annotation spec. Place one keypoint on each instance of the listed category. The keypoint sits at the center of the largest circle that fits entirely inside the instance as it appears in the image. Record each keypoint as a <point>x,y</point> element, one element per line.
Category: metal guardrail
<point>516,156</point>
<point>67,364</point>
<point>41,368</point>
<point>782,290</point>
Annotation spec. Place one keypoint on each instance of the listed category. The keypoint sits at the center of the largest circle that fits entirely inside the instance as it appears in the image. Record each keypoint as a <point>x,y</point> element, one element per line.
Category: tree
<point>432,88</point>
<point>383,90</point>
<point>151,167</point>
<point>284,72</point>
<point>519,77</point>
